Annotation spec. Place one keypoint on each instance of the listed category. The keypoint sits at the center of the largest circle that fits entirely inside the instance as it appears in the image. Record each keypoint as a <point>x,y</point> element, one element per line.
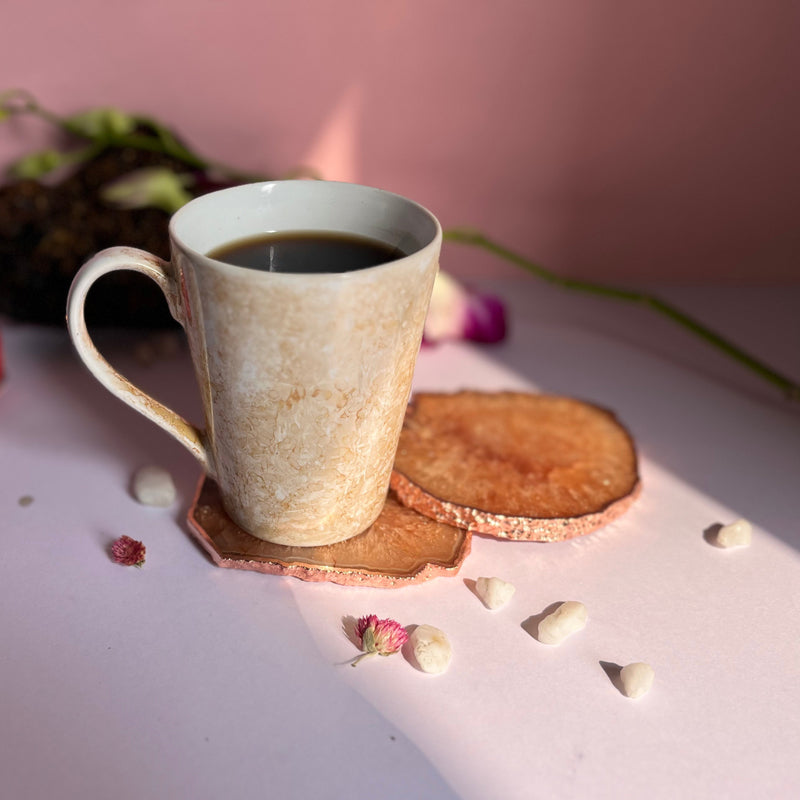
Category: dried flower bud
<point>128,552</point>
<point>381,636</point>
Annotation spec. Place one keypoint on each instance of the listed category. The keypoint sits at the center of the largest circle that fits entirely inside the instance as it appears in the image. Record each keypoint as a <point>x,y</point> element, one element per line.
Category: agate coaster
<point>515,465</point>
<point>401,548</point>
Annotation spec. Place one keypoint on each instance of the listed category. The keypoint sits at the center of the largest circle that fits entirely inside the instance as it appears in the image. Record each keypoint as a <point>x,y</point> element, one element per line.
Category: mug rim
<point>433,242</point>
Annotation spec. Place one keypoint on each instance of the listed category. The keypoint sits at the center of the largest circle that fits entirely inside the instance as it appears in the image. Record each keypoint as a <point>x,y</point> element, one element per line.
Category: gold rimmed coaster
<point>402,547</point>
<point>515,465</point>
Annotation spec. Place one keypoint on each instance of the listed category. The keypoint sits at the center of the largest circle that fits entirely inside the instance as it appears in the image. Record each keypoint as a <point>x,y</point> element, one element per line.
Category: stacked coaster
<point>513,465</point>
<point>507,464</point>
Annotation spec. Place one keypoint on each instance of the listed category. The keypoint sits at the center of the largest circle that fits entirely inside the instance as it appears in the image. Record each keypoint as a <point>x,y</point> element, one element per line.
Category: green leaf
<point>368,641</point>
<point>101,123</point>
<point>37,165</point>
<point>153,187</point>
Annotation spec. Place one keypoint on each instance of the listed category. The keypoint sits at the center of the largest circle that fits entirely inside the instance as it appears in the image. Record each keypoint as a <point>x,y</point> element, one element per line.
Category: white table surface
<point>185,680</point>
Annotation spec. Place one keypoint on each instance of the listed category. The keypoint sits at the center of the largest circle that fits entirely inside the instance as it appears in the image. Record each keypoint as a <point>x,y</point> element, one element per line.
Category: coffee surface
<point>306,252</point>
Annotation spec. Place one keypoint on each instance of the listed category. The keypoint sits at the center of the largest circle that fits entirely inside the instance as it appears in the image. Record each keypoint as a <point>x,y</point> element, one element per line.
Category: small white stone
<point>636,679</point>
<point>431,649</point>
<point>568,618</point>
<point>153,486</point>
<point>494,592</point>
<point>737,534</point>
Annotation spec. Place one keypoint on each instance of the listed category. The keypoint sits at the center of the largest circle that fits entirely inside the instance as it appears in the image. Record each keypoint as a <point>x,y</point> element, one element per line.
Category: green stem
<point>476,239</point>
<point>171,147</point>
<point>153,144</point>
<point>357,659</point>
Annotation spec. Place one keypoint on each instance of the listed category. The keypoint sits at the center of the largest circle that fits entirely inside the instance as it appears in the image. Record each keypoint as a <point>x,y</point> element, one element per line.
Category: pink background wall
<point>632,140</point>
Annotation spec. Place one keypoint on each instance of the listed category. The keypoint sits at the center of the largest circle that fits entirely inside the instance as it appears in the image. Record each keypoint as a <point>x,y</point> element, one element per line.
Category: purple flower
<point>457,312</point>
<point>381,636</point>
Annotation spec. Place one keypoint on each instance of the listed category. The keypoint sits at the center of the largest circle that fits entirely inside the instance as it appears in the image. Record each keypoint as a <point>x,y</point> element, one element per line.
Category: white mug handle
<point>110,260</point>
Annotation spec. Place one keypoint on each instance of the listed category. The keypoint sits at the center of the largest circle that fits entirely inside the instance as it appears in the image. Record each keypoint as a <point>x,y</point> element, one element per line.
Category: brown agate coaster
<point>515,465</point>
<point>400,548</point>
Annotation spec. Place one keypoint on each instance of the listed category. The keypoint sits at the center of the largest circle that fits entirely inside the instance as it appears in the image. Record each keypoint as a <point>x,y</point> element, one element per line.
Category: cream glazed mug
<point>304,378</point>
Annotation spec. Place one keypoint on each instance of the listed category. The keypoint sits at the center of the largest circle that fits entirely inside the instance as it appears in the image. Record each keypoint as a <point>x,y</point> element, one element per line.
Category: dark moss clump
<point>48,232</point>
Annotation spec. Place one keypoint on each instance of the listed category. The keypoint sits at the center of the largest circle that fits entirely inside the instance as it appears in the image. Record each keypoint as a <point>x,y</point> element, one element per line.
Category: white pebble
<point>431,649</point>
<point>494,592</point>
<point>636,679</point>
<point>153,486</point>
<point>737,534</point>
<point>568,618</point>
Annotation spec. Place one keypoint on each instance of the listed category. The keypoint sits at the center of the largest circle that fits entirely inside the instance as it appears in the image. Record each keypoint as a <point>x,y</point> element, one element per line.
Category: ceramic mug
<point>304,377</point>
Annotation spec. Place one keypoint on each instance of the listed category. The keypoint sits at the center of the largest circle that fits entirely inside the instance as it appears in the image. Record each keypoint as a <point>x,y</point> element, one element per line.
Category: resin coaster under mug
<point>402,547</point>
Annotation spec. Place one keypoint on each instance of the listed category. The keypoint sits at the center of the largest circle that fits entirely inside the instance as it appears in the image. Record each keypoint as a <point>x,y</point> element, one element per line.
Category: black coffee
<point>306,251</point>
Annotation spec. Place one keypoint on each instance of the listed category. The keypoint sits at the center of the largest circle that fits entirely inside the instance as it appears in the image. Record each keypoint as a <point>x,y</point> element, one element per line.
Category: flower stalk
<point>474,238</point>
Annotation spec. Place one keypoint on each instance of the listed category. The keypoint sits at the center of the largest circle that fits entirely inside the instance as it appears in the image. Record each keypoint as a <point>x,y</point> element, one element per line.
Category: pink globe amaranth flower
<point>128,552</point>
<point>457,312</point>
<point>381,636</point>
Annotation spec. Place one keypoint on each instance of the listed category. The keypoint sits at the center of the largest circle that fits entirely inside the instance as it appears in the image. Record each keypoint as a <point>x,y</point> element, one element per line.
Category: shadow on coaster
<point>402,547</point>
